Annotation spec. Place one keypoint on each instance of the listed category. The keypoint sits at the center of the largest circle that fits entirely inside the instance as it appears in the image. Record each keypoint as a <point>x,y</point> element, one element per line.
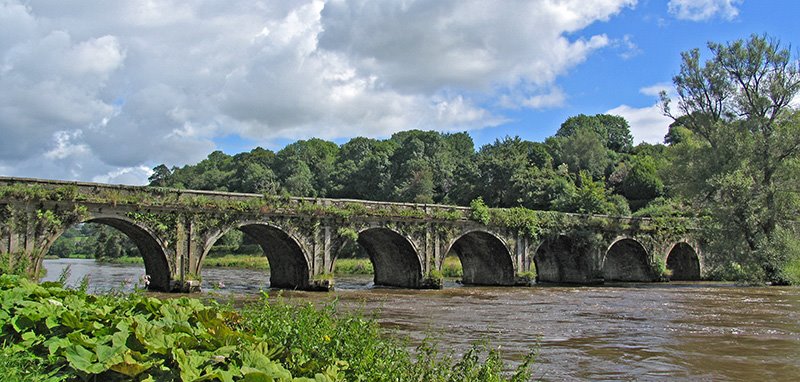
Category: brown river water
<point>664,331</point>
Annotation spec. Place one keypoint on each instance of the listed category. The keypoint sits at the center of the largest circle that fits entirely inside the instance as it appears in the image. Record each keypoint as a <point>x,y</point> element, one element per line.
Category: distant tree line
<point>589,166</point>
<point>93,241</point>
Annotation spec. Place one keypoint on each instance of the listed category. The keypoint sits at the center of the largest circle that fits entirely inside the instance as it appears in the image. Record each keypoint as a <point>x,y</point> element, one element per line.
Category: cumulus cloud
<point>101,90</point>
<point>700,10</point>
<point>648,124</point>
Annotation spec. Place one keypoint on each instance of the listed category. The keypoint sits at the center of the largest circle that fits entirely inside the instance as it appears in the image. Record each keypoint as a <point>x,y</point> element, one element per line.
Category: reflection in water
<point>684,331</point>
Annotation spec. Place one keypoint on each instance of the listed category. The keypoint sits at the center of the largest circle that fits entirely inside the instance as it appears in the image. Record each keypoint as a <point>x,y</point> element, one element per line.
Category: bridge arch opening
<point>124,238</point>
<point>560,260</point>
<point>288,267</point>
<point>684,263</point>
<point>394,259</point>
<point>485,259</point>
<point>627,260</point>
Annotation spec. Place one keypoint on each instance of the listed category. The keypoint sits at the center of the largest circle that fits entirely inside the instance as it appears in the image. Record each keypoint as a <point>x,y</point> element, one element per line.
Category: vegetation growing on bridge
<point>52,334</point>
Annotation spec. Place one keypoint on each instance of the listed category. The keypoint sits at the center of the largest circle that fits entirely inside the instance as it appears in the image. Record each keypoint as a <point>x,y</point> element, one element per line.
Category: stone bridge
<point>174,231</point>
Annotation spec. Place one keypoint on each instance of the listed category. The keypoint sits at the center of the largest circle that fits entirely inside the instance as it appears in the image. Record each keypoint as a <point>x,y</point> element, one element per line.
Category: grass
<point>353,267</point>
<point>792,271</point>
<point>71,256</point>
<point>451,267</point>
<point>50,333</point>
<point>238,261</point>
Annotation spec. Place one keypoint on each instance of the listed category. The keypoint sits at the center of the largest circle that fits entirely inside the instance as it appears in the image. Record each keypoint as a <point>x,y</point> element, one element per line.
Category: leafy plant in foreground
<point>60,334</point>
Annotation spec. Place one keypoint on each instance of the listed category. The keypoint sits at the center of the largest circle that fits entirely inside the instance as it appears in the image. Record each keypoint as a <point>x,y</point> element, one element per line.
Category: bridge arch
<point>394,257</point>
<point>561,260</point>
<point>288,264</point>
<point>683,261</point>
<point>150,246</point>
<point>485,258</point>
<point>627,260</point>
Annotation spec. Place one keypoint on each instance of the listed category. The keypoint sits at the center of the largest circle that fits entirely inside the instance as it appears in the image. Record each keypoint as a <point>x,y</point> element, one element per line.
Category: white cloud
<point>795,102</point>
<point>552,99</point>
<point>700,10</point>
<point>648,124</point>
<point>64,147</point>
<point>655,90</point>
<point>104,89</point>
<point>126,175</point>
<point>628,47</point>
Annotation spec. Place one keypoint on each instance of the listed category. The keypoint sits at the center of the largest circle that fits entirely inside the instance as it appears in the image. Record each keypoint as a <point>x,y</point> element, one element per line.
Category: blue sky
<point>617,74</point>
<point>104,91</point>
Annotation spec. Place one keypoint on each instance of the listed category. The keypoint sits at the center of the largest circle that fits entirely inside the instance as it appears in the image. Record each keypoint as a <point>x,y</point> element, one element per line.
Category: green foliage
<point>581,151</point>
<point>661,269</point>
<point>348,233</point>
<point>590,197</point>
<point>353,267</point>
<point>24,366</point>
<point>237,261</point>
<point>665,207</point>
<point>791,270</point>
<point>526,278</point>
<point>451,267</point>
<point>480,212</point>
<point>736,159</point>
<point>54,334</point>
<point>127,338</point>
<point>362,169</point>
<point>642,182</point>
<point>613,131</point>
<point>14,263</point>
<point>434,279</point>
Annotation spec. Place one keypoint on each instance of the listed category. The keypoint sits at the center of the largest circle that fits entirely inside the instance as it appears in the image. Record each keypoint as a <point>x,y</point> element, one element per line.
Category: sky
<point>104,91</point>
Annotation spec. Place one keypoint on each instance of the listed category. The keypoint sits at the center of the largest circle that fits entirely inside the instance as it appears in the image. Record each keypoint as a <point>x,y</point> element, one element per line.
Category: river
<point>665,331</point>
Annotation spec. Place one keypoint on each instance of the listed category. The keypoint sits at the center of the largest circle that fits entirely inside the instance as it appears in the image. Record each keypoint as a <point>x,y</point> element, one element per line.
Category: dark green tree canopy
<point>737,157</point>
<point>612,130</point>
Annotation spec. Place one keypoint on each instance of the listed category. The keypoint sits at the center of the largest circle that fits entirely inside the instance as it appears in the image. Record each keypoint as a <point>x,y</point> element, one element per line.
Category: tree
<point>588,196</point>
<point>642,183</point>
<point>503,167</point>
<point>739,161</point>
<point>362,169</point>
<point>583,150</point>
<point>160,177</point>
<point>613,131</point>
<point>418,152</point>
<point>253,172</point>
<point>317,156</point>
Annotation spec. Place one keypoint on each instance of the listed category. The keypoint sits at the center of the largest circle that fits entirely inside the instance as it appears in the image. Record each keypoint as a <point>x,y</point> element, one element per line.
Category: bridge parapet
<point>174,230</point>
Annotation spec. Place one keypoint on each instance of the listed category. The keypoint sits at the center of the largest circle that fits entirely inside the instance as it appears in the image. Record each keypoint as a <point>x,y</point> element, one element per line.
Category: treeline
<point>589,166</point>
<point>96,241</point>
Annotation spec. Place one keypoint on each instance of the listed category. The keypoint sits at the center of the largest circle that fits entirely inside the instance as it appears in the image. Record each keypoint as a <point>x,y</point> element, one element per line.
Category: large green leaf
<point>84,360</point>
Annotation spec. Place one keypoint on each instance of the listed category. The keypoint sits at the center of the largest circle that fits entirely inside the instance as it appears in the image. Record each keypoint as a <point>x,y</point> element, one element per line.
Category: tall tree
<point>739,161</point>
<point>582,151</point>
<point>362,169</point>
<point>310,160</point>
<point>514,172</point>
<point>612,130</point>
<point>253,172</point>
<point>422,158</point>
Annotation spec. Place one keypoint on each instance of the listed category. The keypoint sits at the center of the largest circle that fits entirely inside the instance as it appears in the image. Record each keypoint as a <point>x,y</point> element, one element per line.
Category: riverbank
<point>53,334</point>
<point>451,267</point>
